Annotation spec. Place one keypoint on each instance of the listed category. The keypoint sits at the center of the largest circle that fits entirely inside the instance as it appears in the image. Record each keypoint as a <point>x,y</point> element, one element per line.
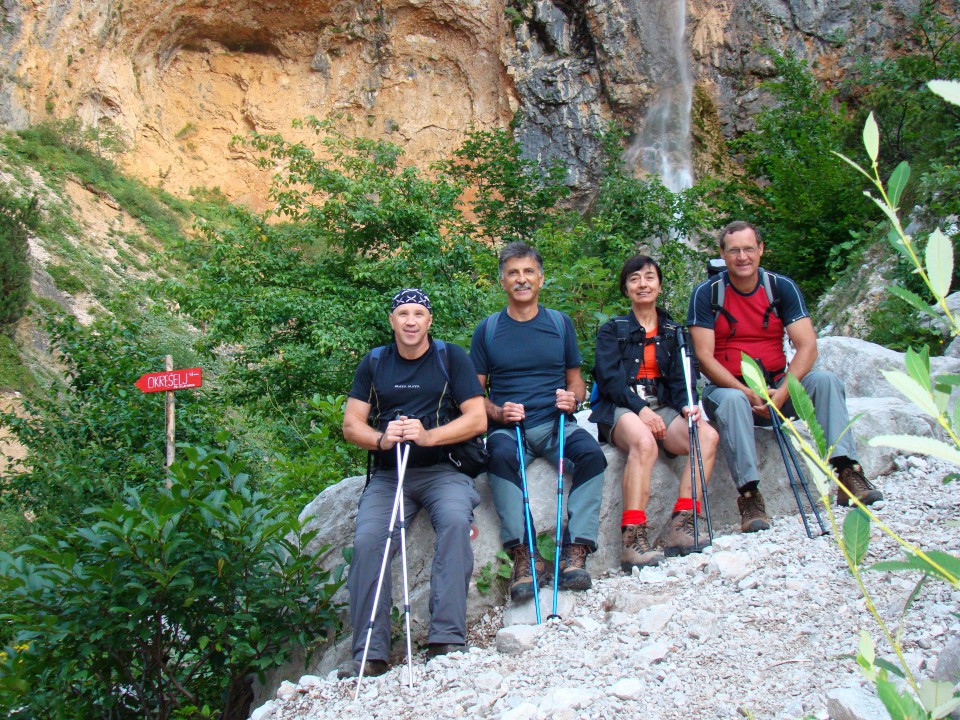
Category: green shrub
<point>92,433</point>
<point>17,219</point>
<point>171,601</point>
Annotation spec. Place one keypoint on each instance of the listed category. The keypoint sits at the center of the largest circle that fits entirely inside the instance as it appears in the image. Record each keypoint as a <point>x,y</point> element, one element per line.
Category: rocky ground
<point>760,626</point>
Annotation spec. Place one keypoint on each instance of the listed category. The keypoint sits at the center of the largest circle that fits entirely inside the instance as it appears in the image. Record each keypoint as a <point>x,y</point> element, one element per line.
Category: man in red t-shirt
<point>749,323</point>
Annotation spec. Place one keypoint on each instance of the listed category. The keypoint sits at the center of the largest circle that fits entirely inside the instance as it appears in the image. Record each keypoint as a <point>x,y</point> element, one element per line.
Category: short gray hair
<point>519,250</point>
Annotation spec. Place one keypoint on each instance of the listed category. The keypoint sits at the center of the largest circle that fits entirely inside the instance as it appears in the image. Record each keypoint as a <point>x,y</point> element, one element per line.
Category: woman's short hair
<point>635,264</point>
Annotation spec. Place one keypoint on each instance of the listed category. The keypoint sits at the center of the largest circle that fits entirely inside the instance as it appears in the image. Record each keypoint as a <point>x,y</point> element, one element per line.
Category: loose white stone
<point>627,689</point>
<point>518,638</point>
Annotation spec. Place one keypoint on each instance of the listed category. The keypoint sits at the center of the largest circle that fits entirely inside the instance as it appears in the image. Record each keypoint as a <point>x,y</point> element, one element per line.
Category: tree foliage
<point>92,433</point>
<point>17,219</point>
<point>806,203</point>
<point>167,606</point>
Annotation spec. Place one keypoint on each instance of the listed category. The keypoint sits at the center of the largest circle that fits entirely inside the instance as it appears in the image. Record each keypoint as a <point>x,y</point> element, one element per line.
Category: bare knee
<point>644,447</point>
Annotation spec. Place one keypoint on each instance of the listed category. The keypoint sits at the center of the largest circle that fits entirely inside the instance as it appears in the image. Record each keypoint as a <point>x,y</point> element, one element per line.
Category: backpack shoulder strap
<point>557,317</point>
<point>490,327</point>
<point>717,294</point>
<point>771,287</point>
<point>623,330</point>
<point>441,347</point>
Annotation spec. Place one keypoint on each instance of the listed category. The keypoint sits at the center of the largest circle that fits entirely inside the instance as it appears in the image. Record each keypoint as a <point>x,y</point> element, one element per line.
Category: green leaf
<point>916,393</point>
<point>820,479</point>
<point>852,164</point>
<point>913,299</point>
<point>887,210</point>
<point>937,563</point>
<point>752,375</point>
<point>866,655</point>
<point>897,182</point>
<point>918,365</point>
<point>856,535</point>
<point>899,704</point>
<point>804,407</point>
<point>871,138</point>
<point>937,698</point>
<point>920,445</point>
<point>895,240</point>
<point>949,90</point>
<point>939,263</point>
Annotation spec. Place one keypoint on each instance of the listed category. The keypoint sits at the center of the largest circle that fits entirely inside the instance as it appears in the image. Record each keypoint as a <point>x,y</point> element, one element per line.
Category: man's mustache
<point>523,286</point>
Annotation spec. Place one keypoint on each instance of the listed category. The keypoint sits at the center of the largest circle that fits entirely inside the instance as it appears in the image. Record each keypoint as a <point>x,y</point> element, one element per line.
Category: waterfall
<point>662,146</point>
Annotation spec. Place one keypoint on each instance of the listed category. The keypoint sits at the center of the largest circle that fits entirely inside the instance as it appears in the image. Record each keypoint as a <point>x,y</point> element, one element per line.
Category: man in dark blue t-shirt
<point>529,355</point>
<point>401,394</point>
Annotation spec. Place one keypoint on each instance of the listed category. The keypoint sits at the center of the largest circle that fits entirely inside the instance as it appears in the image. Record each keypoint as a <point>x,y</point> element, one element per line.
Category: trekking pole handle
<point>685,361</point>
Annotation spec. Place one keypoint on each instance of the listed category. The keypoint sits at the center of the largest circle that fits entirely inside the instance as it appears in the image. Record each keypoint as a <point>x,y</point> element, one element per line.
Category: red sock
<point>633,517</point>
<point>685,504</point>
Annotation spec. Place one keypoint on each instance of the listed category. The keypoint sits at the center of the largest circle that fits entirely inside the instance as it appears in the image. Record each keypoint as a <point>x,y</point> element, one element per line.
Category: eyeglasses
<point>746,251</point>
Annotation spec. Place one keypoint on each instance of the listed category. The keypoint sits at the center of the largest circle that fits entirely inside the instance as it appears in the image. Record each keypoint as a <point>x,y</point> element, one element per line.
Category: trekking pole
<point>790,458</point>
<point>397,505</point>
<point>696,457</point>
<point>556,554</point>
<point>792,465</point>
<point>528,523</point>
<point>403,557</point>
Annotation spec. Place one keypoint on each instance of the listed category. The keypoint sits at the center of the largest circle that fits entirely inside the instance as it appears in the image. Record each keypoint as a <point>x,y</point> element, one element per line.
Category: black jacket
<point>617,365</point>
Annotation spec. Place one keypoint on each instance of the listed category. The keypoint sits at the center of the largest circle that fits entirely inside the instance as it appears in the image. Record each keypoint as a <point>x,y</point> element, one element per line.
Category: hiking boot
<point>753,513</point>
<point>679,540</point>
<point>573,571</point>
<point>438,649</point>
<point>636,550</point>
<point>372,668</point>
<point>521,582</point>
<point>853,479</point>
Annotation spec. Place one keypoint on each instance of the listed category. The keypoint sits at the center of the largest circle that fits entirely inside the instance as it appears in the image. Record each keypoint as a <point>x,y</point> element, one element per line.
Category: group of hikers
<point>522,374</point>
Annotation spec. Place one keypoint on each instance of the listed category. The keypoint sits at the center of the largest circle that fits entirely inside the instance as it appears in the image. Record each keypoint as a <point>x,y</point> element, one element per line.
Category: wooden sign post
<point>170,381</point>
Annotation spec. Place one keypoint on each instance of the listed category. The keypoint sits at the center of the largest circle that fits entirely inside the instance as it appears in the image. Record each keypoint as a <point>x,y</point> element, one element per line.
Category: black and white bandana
<point>411,295</point>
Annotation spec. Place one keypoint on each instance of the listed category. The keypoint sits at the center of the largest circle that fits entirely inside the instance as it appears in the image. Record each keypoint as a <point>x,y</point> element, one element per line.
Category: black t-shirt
<point>414,388</point>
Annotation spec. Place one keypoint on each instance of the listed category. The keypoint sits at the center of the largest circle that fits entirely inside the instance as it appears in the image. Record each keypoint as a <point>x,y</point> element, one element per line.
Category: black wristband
<point>379,440</point>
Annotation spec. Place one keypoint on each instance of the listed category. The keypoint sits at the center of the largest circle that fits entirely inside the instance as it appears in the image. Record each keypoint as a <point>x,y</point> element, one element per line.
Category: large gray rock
<point>333,512</point>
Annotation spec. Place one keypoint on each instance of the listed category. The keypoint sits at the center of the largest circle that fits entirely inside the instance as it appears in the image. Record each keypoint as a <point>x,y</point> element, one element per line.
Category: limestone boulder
<point>333,512</point>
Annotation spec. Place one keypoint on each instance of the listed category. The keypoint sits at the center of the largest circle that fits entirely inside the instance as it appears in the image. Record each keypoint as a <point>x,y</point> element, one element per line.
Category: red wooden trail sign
<point>170,380</point>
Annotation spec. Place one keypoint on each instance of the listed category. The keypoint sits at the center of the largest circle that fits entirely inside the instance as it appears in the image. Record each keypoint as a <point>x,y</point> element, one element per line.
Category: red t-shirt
<point>648,365</point>
<point>748,334</point>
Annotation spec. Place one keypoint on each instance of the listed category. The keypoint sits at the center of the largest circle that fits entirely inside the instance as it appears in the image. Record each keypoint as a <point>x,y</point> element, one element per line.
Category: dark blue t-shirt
<point>416,388</point>
<point>526,362</point>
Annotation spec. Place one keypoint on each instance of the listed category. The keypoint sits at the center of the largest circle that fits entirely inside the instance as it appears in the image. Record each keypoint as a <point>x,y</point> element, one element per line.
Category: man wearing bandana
<point>401,394</point>
<point>529,355</point>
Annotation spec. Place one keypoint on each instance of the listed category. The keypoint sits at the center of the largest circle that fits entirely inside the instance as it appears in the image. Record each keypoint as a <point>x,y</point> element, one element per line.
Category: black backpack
<point>470,456</point>
<point>770,286</point>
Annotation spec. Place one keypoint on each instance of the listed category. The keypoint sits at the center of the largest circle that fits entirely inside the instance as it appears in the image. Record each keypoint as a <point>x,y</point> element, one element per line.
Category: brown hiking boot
<point>573,570</point>
<point>521,582</point>
<point>856,484</point>
<point>680,540</point>
<point>636,550</point>
<point>372,668</point>
<point>753,513</point>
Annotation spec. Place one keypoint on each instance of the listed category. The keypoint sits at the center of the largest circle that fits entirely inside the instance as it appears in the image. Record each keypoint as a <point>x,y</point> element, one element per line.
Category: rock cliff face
<point>180,78</point>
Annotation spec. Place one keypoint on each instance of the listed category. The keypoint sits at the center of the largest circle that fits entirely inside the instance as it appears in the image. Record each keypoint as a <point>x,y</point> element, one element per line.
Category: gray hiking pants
<point>449,497</point>
<point>581,453</point>
<point>730,409</point>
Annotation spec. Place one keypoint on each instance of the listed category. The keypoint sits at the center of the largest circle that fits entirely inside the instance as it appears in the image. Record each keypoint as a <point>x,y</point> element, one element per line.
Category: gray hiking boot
<point>636,550</point>
<point>753,513</point>
<point>853,479</point>
<point>573,568</point>
<point>521,582</point>
<point>680,540</point>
